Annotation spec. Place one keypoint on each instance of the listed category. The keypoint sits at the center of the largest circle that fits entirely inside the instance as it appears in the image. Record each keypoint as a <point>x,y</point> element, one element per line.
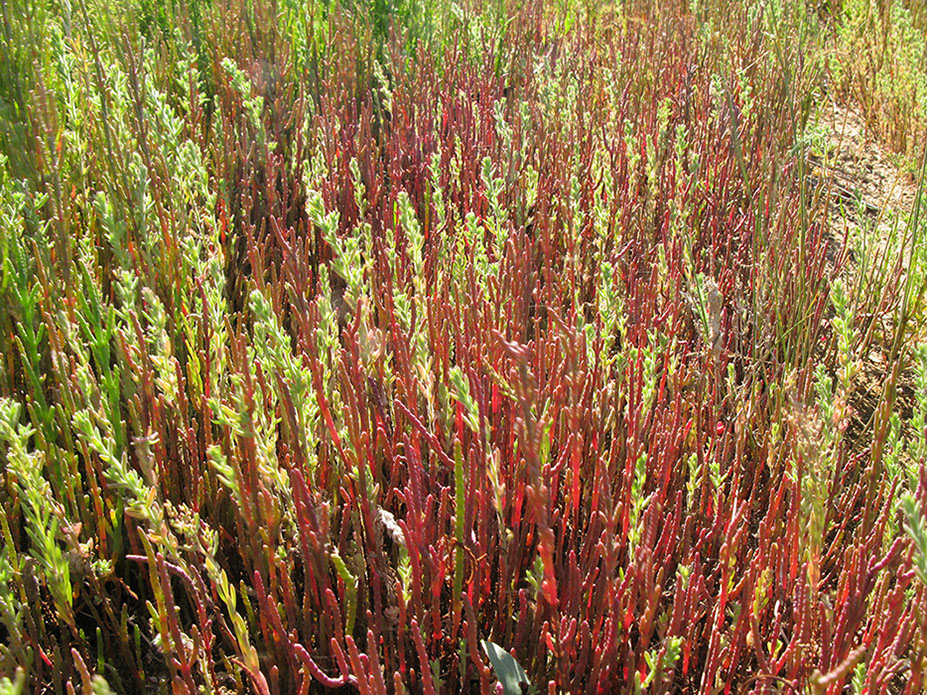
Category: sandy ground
<point>868,191</point>
<point>860,165</point>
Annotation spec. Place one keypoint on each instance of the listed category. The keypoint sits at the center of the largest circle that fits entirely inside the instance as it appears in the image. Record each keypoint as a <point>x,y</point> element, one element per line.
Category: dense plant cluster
<point>879,50</point>
<point>374,348</point>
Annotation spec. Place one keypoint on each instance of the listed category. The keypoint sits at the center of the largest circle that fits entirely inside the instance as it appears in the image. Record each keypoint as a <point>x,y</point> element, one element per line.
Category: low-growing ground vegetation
<point>400,347</point>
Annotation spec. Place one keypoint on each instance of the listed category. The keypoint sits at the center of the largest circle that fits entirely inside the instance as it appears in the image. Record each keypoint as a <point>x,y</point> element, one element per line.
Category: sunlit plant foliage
<point>434,347</point>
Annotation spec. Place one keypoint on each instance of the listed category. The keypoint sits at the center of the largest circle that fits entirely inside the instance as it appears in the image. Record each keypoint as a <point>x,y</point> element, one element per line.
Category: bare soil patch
<point>869,192</point>
<point>861,166</point>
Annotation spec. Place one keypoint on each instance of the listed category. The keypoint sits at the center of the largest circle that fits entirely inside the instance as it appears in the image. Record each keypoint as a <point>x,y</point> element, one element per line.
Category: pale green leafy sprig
<point>415,244</point>
<point>849,364</point>
<point>435,191</point>
<point>347,261</point>
<point>681,148</point>
<point>655,346</point>
<point>576,214</point>
<point>351,584</point>
<point>498,221</point>
<point>391,249</point>
<point>916,529</point>
<point>245,420</point>
<point>192,190</point>
<point>40,508</point>
<point>693,476</point>
<point>660,663</point>
<point>816,449</point>
<point>918,447</point>
<point>216,308</point>
<point>141,499</point>
<point>402,305</point>
<point>72,96</point>
<point>327,340</point>
<point>384,92</point>
<point>611,311</point>
<point>503,129</point>
<point>224,471</point>
<point>655,148</point>
<point>706,302</point>
<point>10,605</point>
<point>680,213</point>
<point>264,416</point>
<point>638,504</point>
<point>360,190</point>
<point>235,419</point>
<point>747,100</point>
<point>327,331</point>
<point>227,594</point>
<point>159,345</point>
<point>858,682</point>
<point>716,477</point>
<point>601,213</point>
<point>184,68</point>
<point>98,320</point>
<point>473,234</point>
<point>167,126</point>
<point>100,685</point>
<point>531,182</point>
<point>824,392</point>
<point>462,394</point>
<point>143,204</point>
<point>415,239</point>
<point>126,287</point>
<point>119,103</point>
<point>535,575</point>
<point>274,351</point>
<point>21,234</point>
<point>13,687</point>
<point>114,229</point>
<point>12,208</point>
<point>316,166</point>
<point>253,104</point>
<point>893,461</point>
